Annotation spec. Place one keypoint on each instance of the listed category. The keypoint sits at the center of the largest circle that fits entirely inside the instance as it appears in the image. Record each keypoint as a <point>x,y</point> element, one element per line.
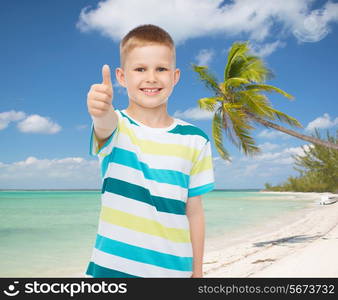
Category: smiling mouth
<point>150,92</point>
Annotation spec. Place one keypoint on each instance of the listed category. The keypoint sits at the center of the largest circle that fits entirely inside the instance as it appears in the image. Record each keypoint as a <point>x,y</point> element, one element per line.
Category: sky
<point>51,52</point>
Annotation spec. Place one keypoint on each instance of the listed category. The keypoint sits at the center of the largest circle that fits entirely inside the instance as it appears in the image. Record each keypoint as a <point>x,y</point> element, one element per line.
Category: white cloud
<point>253,172</point>
<point>249,169</point>
<point>281,157</point>
<point>314,26</point>
<point>271,134</point>
<point>286,161</point>
<point>194,113</point>
<point>69,172</point>
<point>264,50</point>
<point>268,156</point>
<point>258,19</point>
<point>218,160</point>
<point>322,122</point>
<point>268,146</point>
<point>297,150</point>
<point>28,124</point>
<point>38,124</point>
<point>204,57</point>
<point>10,116</point>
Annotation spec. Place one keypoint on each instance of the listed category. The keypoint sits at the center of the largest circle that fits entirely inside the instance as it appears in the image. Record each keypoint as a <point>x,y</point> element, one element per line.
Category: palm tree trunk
<point>293,133</point>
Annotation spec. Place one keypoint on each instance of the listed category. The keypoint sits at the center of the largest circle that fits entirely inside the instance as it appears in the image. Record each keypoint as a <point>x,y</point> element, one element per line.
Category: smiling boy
<point>154,168</point>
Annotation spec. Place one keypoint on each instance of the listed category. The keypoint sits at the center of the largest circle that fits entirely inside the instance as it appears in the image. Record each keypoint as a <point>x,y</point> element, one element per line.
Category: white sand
<point>305,244</point>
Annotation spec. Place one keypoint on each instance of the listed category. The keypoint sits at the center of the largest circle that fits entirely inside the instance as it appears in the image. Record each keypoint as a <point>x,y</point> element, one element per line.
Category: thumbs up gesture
<point>100,96</point>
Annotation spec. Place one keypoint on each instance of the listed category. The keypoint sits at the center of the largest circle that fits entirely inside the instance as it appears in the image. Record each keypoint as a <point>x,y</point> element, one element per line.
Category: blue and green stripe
<point>139,193</point>
<point>143,255</point>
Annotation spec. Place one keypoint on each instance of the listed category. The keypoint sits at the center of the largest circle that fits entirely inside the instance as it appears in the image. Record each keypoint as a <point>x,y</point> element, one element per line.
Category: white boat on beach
<point>327,199</point>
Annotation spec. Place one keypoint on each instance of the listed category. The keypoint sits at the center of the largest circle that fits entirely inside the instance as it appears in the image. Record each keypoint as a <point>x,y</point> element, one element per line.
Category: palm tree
<point>321,161</point>
<point>239,102</point>
<point>318,170</point>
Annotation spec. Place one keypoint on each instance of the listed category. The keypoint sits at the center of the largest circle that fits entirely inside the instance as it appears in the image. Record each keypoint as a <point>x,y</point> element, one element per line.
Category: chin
<point>151,104</point>
<point>154,105</point>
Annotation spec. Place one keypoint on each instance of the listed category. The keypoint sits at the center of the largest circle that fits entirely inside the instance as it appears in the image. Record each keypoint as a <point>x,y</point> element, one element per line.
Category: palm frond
<point>207,78</point>
<point>233,83</point>
<point>218,137</point>
<point>237,52</point>
<point>255,103</point>
<point>255,70</point>
<point>228,127</point>
<point>285,118</point>
<point>268,88</point>
<point>242,64</point>
<point>240,126</point>
<point>208,103</point>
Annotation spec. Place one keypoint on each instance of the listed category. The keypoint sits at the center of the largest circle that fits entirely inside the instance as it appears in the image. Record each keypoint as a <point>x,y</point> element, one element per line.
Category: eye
<point>162,69</point>
<point>139,69</point>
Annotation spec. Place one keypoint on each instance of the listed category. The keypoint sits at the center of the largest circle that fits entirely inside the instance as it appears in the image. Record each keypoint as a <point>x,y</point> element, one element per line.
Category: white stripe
<point>144,240</point>
<point>133,267</point>
<point>164,136</point>
<point>107,149</point>
<point>144,210</point>
<point>136,177</point>
<point>166,162</point>
<point>201,178</point>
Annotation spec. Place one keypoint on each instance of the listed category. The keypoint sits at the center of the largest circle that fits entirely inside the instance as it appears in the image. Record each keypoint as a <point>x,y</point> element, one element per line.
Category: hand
<point>100,96</point>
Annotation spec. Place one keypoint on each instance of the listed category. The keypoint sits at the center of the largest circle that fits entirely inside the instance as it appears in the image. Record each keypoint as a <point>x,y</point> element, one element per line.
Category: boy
<point>154,168</point>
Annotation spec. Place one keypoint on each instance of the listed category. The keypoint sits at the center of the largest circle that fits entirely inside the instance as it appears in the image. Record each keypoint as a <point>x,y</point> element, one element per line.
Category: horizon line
<point>86,189</point>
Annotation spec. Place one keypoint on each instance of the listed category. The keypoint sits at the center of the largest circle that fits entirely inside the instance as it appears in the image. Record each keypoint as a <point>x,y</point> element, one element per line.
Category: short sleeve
<point>202,173</point>
<point>94,145</point>
<point>104,152</point>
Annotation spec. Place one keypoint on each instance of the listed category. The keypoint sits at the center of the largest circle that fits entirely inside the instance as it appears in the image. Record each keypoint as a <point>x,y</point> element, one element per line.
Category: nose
<point>151,76</point>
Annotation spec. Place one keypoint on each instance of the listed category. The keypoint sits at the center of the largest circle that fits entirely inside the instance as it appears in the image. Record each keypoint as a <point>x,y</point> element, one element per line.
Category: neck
<point>153,117</point>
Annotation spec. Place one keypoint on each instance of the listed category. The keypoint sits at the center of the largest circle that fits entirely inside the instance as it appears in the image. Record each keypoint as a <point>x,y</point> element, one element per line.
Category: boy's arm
<point>104,127</point>
<point>195,216</point>
<point>100,108</point>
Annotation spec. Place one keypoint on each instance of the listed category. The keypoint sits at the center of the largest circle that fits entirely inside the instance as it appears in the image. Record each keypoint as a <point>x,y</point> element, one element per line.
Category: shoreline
<point>271,251</point>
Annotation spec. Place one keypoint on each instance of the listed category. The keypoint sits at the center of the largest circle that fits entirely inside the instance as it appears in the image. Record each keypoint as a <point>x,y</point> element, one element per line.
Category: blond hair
<point>145,35</point>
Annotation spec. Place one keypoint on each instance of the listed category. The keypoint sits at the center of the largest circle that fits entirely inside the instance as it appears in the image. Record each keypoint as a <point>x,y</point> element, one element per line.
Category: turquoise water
<point>237,211</point>
<point>51,233</point>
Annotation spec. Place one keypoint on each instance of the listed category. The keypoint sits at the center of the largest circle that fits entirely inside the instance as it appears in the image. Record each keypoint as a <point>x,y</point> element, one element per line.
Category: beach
<point>302,245</point>
<point>248,233</point>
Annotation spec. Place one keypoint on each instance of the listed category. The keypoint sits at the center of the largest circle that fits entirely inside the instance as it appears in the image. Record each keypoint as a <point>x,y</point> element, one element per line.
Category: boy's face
<point>149,75</point>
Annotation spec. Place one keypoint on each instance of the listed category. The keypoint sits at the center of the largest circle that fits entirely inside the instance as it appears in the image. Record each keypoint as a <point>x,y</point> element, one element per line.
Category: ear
<point>177,75</point>
<point>119,73</point>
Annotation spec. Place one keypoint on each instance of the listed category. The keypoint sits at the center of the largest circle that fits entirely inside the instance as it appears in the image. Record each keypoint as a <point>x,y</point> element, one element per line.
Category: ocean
<point>51,233</point>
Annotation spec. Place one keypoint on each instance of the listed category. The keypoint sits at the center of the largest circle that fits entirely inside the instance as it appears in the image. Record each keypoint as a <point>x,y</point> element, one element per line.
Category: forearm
<point>104,126</point>
<point>197,236</point>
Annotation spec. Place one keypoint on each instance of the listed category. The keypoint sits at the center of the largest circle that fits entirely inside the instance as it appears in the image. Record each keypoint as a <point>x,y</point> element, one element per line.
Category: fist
<point>100,96</point>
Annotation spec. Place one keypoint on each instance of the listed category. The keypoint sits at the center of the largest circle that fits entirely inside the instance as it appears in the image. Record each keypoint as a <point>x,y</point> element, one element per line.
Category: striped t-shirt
<point>147,176</point>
